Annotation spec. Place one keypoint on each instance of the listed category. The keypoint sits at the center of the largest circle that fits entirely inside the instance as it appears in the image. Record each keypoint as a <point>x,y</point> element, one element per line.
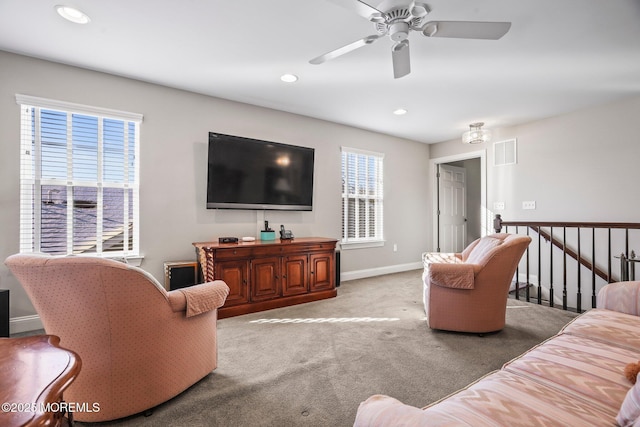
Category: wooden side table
<point>34,371</point>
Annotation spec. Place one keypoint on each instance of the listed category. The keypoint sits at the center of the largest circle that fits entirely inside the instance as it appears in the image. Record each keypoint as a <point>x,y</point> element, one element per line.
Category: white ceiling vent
<point>504,152</point>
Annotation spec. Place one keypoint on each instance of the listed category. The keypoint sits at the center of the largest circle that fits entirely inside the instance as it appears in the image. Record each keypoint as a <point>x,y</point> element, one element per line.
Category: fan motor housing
<point>399,31</point>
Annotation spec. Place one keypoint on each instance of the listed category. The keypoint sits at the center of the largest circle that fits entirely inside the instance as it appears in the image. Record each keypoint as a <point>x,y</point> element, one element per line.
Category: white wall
<point>581,166</point>
<point>173,169</point>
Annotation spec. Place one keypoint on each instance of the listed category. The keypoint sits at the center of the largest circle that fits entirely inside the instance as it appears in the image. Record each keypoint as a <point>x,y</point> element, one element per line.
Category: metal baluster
<point>564,268</point>
<point>609,257</point>
<point>593,268</point>
<point>527,292</point>
<point>579,294</point>
<point>551,258</point>
<point>517,275</point>
<point>540,273</point>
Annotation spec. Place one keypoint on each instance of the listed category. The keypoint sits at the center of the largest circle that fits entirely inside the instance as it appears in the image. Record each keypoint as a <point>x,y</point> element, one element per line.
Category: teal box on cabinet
<point>267,235</point>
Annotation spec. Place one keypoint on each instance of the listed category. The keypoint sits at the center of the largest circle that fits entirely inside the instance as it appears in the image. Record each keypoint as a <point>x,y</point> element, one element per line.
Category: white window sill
<point>136,261</point>
<point>361,245</point>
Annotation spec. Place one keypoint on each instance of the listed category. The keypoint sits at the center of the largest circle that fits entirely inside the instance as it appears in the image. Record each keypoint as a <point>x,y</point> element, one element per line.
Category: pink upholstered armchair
<point>139,344</point>
<point>467,292</point>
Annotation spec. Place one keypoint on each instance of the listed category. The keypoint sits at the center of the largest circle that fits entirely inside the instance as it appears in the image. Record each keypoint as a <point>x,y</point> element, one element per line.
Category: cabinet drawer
<point>320,247</point>
<point>233,253</point>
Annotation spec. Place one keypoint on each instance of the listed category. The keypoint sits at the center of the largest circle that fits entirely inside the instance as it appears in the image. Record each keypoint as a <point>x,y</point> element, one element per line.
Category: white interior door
<point>453,208</point>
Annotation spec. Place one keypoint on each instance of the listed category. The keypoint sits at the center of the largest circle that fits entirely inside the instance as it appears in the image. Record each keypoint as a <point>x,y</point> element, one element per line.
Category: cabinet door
<point>265,278</point>
<point>236,276</point>
<point>294,275</point>
<point>322,271</point>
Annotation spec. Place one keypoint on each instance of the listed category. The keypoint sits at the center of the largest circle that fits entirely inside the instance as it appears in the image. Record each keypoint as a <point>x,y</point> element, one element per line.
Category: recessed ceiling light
<point>289,78</point>
<point>72,14</point>
<point>400,112</point>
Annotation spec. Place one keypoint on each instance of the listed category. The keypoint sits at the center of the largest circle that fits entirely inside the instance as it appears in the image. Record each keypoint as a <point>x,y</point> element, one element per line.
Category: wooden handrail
<point>627,225</point>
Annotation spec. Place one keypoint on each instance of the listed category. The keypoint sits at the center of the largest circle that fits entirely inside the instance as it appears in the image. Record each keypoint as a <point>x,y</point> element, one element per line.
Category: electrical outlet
<point>531,204</point>
<point>498,206</point>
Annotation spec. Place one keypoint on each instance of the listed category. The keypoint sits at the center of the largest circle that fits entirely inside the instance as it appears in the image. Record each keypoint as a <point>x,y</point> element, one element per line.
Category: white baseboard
<point>372,272</point>
<point>25,324</point>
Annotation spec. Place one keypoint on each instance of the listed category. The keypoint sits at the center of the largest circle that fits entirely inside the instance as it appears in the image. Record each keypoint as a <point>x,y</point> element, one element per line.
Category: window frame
<point>377,239</point>
<point>32,181</point>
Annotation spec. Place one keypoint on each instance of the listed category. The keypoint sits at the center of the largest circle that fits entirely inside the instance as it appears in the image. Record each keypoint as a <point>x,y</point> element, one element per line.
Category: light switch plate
<point>498,206</point>
<point>529,204</point>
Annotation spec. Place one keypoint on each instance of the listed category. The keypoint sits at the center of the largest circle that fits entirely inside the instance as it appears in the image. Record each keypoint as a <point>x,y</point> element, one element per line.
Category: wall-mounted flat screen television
<point>245,173</point>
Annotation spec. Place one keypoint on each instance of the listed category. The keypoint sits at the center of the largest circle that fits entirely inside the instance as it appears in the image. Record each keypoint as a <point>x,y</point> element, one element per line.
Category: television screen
<point>246,173</point>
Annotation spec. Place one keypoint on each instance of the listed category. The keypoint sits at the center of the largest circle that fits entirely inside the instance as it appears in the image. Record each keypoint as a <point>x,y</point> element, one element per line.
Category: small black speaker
<point>180,274</point>
<point>227,240</point>
<point>4,313</point>
<point>337,269</point>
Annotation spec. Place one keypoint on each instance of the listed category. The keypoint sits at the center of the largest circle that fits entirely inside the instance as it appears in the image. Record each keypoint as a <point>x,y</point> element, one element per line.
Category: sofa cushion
<point>500,398</point>
<point>504,398</point>
<point>621,296</point>
<point>607,326</point>
<point>592,370</point>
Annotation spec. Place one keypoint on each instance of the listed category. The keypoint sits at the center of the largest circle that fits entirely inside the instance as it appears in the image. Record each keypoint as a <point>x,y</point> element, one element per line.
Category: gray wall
<point>173,169</point>
<point>581,166</point>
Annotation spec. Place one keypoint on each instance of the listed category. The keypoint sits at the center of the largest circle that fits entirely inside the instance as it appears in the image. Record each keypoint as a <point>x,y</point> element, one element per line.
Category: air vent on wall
<point>504,152</point>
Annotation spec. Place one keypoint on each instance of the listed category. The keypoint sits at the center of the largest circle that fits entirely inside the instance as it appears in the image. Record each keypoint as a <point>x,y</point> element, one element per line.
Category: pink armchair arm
<point>200,298</point>
<point>458,276</point>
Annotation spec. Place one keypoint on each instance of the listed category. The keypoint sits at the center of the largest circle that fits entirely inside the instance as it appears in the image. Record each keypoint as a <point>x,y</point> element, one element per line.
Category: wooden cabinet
<point>262,275</point>
<point>236,274</point>
<point>295,275</point>
<point>322,271</point>
<point>265,278</point>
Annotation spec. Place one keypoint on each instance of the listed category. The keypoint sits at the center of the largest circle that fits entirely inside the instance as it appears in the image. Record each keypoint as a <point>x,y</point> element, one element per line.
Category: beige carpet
<point>312,364</point>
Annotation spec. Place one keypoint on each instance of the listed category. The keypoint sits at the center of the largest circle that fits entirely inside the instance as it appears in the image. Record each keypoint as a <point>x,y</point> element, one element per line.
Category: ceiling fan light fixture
<point>476,135</point>
<point>399,31</point>
<point>72,14</point>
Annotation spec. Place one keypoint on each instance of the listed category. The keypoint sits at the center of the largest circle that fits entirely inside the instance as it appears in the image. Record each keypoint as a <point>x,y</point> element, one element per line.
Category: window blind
<point>79,180</point>
<point>362,196</point>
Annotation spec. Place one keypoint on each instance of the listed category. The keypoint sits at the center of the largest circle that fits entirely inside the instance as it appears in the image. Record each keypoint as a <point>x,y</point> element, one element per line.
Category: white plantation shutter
<point>362,196</point>
<point>78,179</point>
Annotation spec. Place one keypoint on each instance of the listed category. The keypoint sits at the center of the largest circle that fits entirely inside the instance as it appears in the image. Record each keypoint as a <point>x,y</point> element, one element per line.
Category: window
<point>362,196</point>
<point>78,179</point>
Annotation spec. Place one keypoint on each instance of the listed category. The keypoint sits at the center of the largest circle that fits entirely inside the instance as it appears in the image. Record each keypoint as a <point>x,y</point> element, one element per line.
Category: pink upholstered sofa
<point>139,344</point>
<point>575,378</point>
<point>467,292</point>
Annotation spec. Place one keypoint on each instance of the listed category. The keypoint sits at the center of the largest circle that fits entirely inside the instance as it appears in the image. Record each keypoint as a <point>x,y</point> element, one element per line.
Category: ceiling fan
<point>399,21</point>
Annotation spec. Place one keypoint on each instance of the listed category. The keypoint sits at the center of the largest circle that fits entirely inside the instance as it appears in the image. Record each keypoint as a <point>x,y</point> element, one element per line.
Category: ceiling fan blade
<point>466,29</point>
<point>361,8</point>
<point>344,49</point>
<point>401,59</point>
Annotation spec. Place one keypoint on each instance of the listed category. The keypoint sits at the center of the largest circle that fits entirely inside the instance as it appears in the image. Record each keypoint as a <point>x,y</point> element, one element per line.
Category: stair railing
<point>552,236</point>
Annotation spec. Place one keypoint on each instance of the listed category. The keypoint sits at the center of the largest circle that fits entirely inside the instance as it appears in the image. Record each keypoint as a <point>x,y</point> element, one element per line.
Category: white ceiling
<point>559,56</point>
